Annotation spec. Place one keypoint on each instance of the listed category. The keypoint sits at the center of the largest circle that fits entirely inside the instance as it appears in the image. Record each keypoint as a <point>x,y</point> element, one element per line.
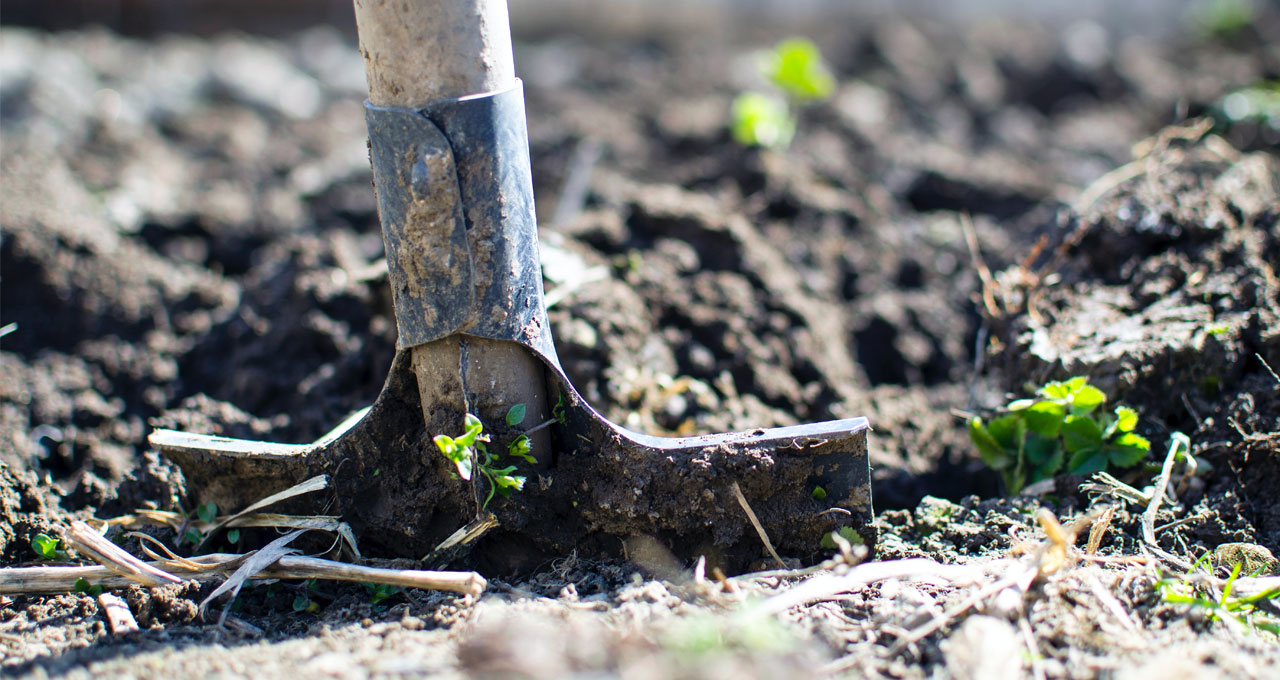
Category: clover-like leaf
<point>1055,390</point>
<point>761,120</point>
<point>1009,431</point>
<point>1041,450</point>
<point>1087,461</point>
<point>1086,399</point>
<point>991,451</point>
<point>1126,419</point>
<point>1126,456</point>
<point>1045,417</point>
<point>207,512</point>
<point>1081,432</point>
<point>464,468</point>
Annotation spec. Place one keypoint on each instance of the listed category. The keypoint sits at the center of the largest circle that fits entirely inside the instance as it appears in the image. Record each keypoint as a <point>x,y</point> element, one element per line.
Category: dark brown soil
<point>189,239</point>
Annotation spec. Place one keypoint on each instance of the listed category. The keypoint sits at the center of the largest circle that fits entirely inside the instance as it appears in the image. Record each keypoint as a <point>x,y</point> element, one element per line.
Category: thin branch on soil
<point>1033,649</point>
<point>755,522</point>
<point>826,586</point>
<point>1110,603</point>
<point>989,285</point>
<point>1157,497</point>
<point>1268,367</point>
<point>29,580</point>
<point>1026,575</point>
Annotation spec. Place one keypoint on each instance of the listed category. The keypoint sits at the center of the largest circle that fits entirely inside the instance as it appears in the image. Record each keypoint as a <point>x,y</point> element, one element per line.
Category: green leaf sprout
<point>795,68</point>
<point>46,547</point>
<point>469,452</point>
<point>83,586</point>
<point>1065,425</point>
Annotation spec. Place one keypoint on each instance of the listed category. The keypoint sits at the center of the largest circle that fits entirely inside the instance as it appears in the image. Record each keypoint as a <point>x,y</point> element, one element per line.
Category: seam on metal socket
<point>423,229</point>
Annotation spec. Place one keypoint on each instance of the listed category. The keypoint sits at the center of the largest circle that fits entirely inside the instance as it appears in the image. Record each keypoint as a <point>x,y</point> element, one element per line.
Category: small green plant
<point>469,452</point>
<point>207,513</point>
<point>380,592</point>
<point>558,411</point>
<point>1245,612</point>
<point>46,547</point>
<point>818,493</point>
<point>847,533</point>
<point>90,589</point>
<point>303,602</point>
<point>762,120</point>
<point>796,69</point>
<point>1065,424</point>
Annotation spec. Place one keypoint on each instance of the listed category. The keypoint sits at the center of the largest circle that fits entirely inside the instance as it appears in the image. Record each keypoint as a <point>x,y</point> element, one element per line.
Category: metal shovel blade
<point>455,199</point>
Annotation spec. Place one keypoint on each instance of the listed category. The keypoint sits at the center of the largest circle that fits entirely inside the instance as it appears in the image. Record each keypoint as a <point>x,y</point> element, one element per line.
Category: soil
<point>190,240</point>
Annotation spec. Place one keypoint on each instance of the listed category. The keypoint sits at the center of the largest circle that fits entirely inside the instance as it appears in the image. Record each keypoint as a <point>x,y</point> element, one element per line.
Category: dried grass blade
<point>314,484</point>
<point>330,523</point>
<point>259,560</point>
<point>755,522</point>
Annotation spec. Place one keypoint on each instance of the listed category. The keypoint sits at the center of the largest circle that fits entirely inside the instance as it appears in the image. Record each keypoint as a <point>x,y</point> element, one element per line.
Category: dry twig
<point>755,522</point>
<point>27,580</point>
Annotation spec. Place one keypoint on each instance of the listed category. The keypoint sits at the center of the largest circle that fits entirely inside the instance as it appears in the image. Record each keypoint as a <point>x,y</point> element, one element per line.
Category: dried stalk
<point>90,543</point>
<point>27,580</point>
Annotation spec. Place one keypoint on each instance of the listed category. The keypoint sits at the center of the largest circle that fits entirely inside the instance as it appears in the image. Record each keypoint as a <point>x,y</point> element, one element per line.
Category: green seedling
<point>469,452</point>
<point>90,589</point>
<point>847,533</point>
<point>46,547</point>
<point>380,592</point>
<point>818,493</point>
<point>558,411</point>
<point>762,120</point>
<point>207,512</point>
<point>302,602</point>
<point>1064,428</point>
<point>1244,612</point>
<point>795,68</point>
<point>233,536</point>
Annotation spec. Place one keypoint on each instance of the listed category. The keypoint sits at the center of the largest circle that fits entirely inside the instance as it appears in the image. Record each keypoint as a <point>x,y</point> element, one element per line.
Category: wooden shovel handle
<point>419,51</point>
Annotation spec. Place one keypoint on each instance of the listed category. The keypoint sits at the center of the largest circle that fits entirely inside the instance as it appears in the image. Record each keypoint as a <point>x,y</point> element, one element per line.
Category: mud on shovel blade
<point>456,204</point>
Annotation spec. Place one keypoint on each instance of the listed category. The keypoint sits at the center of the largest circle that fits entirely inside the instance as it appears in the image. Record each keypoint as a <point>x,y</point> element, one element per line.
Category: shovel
<point>450,157</point>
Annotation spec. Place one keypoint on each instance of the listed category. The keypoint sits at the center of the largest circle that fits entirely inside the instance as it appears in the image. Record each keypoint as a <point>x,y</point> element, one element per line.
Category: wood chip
<point>118,614</point>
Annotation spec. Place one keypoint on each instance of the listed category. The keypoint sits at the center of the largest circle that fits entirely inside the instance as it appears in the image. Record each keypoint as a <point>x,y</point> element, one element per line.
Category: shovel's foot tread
<point>182,444</point>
